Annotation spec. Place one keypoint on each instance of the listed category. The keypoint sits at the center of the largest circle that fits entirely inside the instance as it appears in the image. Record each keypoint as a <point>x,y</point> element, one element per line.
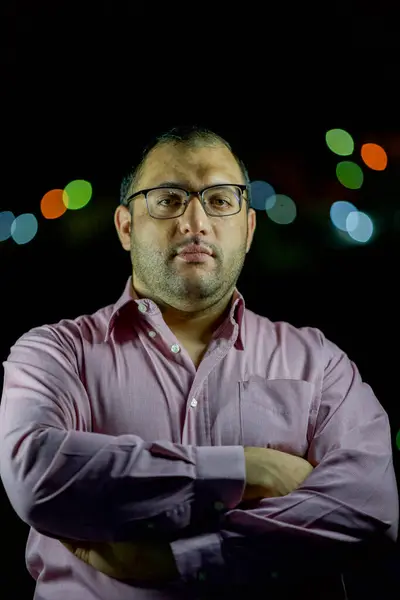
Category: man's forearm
<point>93,486</point>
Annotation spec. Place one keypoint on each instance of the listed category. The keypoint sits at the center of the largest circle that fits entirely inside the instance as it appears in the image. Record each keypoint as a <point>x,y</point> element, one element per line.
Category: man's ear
<point>123,225</point>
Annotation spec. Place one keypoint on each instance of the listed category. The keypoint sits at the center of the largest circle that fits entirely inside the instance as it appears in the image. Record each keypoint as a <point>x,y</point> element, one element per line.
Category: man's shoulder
<point>283,330</point>
<point>90,327</point>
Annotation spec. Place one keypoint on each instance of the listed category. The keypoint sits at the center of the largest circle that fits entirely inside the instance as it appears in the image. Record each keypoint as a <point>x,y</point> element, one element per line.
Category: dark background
<point>84,88</point>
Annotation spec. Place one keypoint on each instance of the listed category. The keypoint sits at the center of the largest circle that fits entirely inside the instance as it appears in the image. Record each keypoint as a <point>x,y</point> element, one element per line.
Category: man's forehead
<point>183,162</point>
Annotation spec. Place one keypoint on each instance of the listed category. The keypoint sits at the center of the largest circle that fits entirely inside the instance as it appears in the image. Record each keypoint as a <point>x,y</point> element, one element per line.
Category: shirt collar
<point>129,296</point>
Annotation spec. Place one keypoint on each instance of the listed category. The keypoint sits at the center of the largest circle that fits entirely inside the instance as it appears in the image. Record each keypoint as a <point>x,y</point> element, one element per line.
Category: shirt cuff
<point>221,475</point>
<point>199,558</point>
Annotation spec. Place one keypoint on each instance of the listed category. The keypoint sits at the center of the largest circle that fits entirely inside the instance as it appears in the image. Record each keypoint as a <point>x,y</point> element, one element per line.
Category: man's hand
<point>271,473</point>
<point>144,561</point>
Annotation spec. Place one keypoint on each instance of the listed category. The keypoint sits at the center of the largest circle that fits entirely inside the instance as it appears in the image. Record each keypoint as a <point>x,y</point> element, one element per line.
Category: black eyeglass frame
<point>242,187</point>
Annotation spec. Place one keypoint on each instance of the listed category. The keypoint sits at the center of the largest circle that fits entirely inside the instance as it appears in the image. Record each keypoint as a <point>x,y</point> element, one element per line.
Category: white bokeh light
<point>359,226</point>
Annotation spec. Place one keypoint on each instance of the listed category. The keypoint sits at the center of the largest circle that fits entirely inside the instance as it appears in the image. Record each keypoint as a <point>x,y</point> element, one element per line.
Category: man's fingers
<point>77,550</point>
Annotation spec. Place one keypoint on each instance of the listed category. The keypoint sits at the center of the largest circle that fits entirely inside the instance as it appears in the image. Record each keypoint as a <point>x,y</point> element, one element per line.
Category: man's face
<point>154,244</point>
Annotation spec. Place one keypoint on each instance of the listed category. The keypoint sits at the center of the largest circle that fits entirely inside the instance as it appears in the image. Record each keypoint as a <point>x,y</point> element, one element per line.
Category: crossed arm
<point>105,491</point>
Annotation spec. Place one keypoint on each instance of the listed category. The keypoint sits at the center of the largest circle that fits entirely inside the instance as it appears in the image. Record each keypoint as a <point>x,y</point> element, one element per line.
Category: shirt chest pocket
<point>267,413</point>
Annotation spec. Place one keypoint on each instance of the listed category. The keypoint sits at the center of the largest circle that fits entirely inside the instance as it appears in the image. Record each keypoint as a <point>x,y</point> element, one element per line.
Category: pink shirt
<point>108,431</point>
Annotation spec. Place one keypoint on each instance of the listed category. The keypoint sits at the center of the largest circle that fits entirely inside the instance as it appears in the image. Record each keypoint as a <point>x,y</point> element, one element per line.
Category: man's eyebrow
<point>182,184</point>
<point>170,184</point>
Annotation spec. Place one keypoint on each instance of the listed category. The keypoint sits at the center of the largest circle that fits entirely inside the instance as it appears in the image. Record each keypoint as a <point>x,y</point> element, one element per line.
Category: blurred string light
<point>346,217</point>
<point>52,205</point>
<point>6,220</point>
<point>24,228</point>
<point>339,212</point>
<point>359,226</point>
<point>280,208</point>
<point>261,191</point>
<point>340,142</point>
<point>77,194</point>
<point>349,174</point>
<point>374,156</point>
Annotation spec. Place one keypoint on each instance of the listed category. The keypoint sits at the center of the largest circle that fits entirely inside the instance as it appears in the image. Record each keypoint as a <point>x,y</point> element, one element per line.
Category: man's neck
<point>194,326</point>
<point>197,328</point>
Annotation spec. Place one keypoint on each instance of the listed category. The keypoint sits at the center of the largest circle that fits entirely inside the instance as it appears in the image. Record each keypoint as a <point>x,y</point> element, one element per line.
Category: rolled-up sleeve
<point>67,482</point>
<point>351,496</point>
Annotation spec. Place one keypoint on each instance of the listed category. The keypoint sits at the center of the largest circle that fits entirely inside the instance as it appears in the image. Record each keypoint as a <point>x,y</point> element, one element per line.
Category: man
<point>176,439</point>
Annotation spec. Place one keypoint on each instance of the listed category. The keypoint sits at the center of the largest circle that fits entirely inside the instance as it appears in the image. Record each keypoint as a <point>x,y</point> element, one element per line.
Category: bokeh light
<point>339,212</point>
<point>281,209</point>
<point>340,142</point>
<point>349,174</point>
<point>6,221</point>
<point>24,228</point>
<point>77,194</point>
<point>359,226</point>
<point>374,156</point>
<point>52,205</point>
<point>261,191</point>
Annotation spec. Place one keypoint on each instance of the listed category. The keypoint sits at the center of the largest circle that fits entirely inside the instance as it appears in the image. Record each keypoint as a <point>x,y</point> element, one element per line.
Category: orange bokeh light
<point>374,157</point>
<point>52,205</point>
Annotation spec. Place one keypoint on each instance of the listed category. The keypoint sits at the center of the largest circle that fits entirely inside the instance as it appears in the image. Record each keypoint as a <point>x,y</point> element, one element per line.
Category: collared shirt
<point>108,432</point>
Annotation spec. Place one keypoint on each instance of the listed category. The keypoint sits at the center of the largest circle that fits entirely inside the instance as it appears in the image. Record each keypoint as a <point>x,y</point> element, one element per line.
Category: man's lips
<point>194,257</point>
<point>195,254</point>
<point>195,249</point>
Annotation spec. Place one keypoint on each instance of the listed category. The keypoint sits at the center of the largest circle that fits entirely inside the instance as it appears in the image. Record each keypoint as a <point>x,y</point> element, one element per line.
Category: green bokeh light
<point>340,142</point>
<point>77,194</point>
<point>350,175</point>
<point>281,209</point>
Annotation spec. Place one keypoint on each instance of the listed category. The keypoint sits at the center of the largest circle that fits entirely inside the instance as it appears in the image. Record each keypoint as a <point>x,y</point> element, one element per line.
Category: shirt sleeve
<point>350,497</point>
<point>70,483</point>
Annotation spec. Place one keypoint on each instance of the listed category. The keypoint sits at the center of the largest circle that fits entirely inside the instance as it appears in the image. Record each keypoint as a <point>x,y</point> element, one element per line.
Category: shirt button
<point>175,348</point>
<point>152,334</point>
<point>193,403</point>
<point>219,506</point>
<point>142,307</point>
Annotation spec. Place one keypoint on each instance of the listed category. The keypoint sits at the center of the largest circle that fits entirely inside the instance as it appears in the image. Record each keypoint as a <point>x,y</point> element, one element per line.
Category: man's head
<point>192,159</point>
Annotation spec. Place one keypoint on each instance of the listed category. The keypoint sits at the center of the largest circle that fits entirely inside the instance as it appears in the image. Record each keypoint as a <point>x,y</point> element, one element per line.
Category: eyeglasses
<point>222,200</point>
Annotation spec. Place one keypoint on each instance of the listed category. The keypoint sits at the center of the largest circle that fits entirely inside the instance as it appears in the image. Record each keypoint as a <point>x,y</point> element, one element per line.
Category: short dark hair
<point>191,135</point>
